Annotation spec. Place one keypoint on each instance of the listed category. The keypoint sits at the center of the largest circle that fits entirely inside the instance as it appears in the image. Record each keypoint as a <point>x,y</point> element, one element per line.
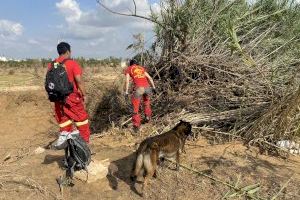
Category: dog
<point>153,149</point>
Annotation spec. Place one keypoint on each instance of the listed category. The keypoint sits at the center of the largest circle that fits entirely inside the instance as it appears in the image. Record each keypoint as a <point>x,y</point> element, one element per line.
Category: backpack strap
<point>65,60</point>
<point>52,64</point>
<point>62,62</point>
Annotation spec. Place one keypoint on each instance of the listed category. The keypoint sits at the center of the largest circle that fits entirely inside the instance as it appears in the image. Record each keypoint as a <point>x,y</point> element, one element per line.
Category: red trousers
<point>136,100</point>
<point>73,111</point>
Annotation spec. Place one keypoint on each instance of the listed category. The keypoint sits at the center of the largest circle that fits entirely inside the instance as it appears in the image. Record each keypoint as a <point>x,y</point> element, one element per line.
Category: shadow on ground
<point>49,159</point>
<point>120,170</point>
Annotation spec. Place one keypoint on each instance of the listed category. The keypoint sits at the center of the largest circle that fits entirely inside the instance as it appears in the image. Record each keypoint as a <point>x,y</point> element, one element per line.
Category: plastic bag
<point>61,142</point>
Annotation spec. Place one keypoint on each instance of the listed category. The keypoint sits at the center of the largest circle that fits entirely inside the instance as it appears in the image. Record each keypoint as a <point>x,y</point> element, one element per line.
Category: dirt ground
<point>28,123</point>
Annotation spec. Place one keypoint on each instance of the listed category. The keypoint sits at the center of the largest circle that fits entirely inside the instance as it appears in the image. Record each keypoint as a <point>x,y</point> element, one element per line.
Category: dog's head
<point>185,127</point>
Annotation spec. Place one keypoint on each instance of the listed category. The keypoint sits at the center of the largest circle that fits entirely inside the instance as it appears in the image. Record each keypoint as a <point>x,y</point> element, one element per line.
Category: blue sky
<point>32,28</point>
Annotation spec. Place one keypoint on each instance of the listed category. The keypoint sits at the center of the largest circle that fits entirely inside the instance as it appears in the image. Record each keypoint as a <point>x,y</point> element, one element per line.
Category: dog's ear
<point>182,121</point>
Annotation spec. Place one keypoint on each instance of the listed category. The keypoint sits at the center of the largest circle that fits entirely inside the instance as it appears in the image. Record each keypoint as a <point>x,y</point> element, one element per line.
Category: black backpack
<point>77,155</point>
<point>57,83</point>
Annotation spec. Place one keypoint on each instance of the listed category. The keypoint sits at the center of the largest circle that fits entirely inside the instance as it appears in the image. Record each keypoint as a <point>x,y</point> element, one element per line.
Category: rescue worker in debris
<point>141,90</point>
<point>72,110</point>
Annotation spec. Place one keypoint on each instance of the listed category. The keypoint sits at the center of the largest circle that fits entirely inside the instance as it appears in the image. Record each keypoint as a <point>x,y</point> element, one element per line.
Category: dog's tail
<point>137,166</point>
<point>145,159</point>
<point>151,158</point>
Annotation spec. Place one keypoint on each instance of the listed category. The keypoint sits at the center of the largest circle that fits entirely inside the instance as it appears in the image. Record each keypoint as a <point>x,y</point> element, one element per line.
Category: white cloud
<point>95,43</point>
<point>97,32</point>
<point>70,9</point>
<point>94,23</point>
<point>34,42</point>
<point>10,29</point>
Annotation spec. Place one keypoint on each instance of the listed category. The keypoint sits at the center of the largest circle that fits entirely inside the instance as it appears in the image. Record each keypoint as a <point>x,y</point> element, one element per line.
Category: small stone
<point>7,157</point>
<point>39,150</point>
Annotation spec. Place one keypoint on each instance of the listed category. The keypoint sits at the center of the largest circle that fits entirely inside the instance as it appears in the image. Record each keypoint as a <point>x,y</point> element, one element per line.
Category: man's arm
<point>80,85</point>
<point>127,83</point>
<point>150,79</point>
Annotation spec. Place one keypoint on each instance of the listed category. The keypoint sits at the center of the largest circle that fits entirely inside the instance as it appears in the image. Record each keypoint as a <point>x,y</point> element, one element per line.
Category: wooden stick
<point>128,120</point>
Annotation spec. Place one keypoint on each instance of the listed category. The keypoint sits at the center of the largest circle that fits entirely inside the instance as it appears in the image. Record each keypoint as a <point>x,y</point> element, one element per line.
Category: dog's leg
<point>177,161</point>
<point>132,175</point>
<point>150,163</point>
<point>154,159</point>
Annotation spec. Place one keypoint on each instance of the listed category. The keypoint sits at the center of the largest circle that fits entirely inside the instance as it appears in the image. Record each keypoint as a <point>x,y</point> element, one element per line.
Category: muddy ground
<point>27,123</point>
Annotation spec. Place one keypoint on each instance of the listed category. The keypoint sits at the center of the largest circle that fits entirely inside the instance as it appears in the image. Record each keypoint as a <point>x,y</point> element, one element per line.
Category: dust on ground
<point>28,122</point>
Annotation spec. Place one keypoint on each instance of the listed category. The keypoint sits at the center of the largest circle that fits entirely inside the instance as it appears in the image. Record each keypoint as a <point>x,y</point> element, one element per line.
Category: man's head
<point>64,49</point>
<point>133,62</point>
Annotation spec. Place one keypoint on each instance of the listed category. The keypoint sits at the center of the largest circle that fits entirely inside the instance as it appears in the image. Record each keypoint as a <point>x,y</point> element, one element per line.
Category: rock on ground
<point>96,171</point>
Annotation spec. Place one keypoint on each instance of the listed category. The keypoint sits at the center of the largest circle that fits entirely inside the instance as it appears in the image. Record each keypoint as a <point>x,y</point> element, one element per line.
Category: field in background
<point>30,74</point>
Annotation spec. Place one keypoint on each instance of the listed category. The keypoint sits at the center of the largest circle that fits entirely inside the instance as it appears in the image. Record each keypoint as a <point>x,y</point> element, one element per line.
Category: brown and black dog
<point>152,149</point>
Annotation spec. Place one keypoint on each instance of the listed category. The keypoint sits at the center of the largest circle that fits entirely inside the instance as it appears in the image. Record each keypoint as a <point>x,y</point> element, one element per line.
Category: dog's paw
<point>155,174</point>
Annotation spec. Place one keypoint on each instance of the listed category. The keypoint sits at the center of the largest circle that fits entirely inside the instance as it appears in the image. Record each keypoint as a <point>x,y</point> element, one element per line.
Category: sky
<point>33,28</point>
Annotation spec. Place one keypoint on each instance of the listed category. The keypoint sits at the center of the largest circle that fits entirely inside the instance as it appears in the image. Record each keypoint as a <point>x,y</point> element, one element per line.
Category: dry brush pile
<point>229,67</point>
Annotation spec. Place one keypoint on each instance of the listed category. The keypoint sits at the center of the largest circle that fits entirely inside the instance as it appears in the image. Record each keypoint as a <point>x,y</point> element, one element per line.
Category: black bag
<point>57,83</point>
<point>77,155</point>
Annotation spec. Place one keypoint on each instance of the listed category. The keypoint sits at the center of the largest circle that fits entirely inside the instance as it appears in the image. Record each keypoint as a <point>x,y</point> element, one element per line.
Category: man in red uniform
<point>73,109</point>
<point>141,89</point>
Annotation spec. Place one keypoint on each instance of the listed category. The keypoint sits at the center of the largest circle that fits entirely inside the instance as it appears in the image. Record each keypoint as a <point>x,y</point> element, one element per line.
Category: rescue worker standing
<point>141,89</point>
<point>73,108</point>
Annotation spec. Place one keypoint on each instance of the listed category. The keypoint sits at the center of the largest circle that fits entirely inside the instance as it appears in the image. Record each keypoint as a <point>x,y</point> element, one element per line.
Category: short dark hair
<point>133,62</point>
<point>63,47</point>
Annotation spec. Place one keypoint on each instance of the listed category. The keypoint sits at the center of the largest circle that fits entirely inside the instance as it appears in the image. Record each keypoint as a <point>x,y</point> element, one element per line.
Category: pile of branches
<point>234,61</point>
<point>231,65</point>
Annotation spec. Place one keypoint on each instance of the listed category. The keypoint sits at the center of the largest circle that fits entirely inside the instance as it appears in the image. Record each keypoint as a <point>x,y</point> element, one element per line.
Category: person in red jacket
<point>73,109</point>
<point>141,89</point>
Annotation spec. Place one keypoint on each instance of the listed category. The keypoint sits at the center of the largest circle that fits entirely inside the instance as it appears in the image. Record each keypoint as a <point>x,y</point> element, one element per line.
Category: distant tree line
<point>84,62</point>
